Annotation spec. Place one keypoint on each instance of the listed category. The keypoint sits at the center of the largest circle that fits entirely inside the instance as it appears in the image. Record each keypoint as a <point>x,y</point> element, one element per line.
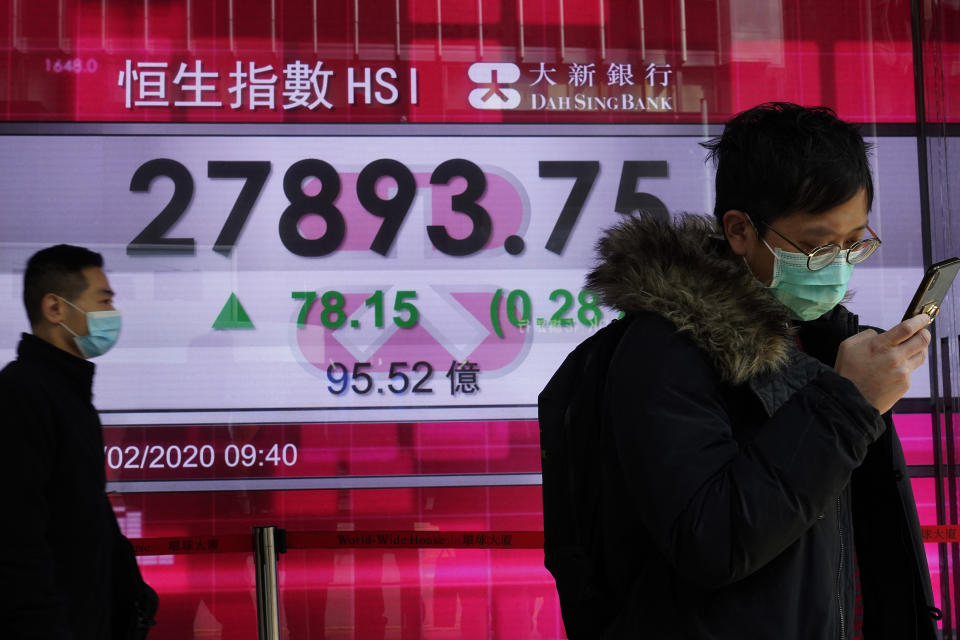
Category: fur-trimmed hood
<point>681,271</point>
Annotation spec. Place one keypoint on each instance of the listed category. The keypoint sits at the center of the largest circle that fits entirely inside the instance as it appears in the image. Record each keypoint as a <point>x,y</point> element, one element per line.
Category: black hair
<point>778,159</point>
<point>59,270</point>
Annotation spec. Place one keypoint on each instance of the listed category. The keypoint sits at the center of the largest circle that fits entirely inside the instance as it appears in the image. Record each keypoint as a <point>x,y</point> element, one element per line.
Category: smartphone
<point>933,288</point>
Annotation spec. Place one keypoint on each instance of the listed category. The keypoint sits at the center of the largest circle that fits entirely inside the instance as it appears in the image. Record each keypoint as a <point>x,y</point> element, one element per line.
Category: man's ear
<point>739,231</point>
<point>52,308</point>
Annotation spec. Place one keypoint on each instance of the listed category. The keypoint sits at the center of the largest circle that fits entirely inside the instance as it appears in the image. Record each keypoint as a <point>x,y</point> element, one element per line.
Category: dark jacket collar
<point>682,271</point>
<point>77,372</point>
<point>821,338</point>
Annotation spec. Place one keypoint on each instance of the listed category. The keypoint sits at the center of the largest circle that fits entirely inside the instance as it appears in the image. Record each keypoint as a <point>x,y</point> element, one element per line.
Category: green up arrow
<point>233,315</point>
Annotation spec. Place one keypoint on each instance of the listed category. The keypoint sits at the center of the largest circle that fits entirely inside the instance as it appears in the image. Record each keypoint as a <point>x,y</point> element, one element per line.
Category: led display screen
<point>349,243</point>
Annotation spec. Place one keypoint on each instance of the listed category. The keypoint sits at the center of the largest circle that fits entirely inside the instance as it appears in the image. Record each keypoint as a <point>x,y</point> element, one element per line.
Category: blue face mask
<point>809,294</point>
<point>103,328</point>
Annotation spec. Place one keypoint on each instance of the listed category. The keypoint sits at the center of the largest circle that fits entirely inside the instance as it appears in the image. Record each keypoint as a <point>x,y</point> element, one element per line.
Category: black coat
<point>734,465</point>
<point>66,570</point>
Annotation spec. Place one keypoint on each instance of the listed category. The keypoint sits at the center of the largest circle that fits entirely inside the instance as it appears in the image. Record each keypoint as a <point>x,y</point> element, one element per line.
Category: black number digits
<point>394,366</point>
<point>394,210</point>
<point>630,200</point>
<point>255,173</point>
<point>359,374</point>
<point>585,172</point>
<point>320,204</point>
<point>418,388</point>
<point>151,241</point>
<point>465,203</point>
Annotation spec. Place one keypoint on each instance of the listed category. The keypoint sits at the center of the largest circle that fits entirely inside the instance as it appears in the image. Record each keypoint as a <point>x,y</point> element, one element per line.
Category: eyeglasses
<point>823,255</point>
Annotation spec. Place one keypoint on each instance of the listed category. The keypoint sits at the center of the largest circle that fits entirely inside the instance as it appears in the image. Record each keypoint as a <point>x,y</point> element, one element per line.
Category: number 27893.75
<point>153,240</point>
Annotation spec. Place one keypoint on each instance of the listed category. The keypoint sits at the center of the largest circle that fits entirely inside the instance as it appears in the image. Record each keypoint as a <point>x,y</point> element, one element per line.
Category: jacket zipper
<point>843,626</point>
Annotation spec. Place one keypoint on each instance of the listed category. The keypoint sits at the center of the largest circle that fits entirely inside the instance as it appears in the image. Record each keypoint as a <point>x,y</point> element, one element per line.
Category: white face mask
<point>103,328</point>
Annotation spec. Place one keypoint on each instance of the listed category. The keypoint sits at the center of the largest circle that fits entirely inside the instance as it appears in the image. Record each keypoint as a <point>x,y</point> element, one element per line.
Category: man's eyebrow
<point>107,292</point>
<point>822,232</point>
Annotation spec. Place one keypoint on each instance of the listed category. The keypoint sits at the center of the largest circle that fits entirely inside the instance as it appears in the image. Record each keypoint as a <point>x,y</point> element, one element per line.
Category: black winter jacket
<point>66,570</point>
<point>738,472</point>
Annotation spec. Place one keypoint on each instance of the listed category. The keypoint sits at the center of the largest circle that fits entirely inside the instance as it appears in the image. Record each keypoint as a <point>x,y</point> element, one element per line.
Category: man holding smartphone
<point>737,474</point>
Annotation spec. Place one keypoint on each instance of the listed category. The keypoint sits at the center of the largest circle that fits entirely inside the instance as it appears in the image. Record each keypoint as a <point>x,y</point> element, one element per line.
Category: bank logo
<point>492,77</point>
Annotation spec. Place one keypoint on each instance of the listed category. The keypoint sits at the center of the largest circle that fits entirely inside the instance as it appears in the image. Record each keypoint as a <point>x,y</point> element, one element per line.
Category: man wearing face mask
<point>67,571</point>
<point>721,463</point>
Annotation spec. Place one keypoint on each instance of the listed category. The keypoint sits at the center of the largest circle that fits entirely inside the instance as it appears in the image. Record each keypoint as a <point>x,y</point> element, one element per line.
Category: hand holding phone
<point>933,289</point>
<point>881,364</point>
